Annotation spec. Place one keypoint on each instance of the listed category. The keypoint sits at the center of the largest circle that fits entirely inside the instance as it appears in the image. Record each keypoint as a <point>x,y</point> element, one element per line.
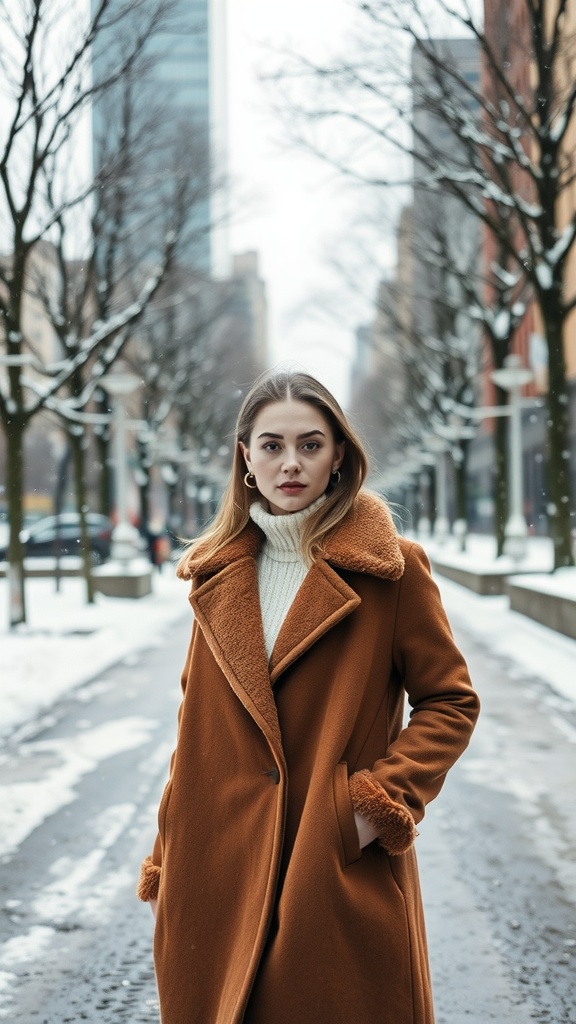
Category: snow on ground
<point>26,803</point>
<point>562,583</point>
<point>26,948</point>
<point>535,570</point>
<point>532,647</point>
<point>480,555</point>
<point>67,642</point>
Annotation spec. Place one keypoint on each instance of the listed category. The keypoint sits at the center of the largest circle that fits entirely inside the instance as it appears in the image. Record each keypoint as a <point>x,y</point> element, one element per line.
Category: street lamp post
<point>455,431</point>
<point>62,452</point>
<point>125,536</point>
<point>511,378</point>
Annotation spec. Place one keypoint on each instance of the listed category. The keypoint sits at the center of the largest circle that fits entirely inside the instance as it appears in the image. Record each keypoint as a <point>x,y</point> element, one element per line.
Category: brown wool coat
<point>269,912</point>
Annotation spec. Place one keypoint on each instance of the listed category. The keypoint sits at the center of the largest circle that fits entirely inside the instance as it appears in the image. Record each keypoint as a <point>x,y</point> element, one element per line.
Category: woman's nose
<point>291,463</point>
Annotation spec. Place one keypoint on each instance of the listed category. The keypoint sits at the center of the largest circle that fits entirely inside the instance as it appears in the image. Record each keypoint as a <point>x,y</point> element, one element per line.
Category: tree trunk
<point>144,469</point>
<point>15,431</point>
<point>558,463</point>
<point>501,462</point>
<point>79,461</point>
<point>60,490</point>
<point>144,496</point>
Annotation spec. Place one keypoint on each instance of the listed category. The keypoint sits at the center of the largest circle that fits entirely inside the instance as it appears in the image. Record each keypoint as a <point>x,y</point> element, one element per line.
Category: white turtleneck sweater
<point>281,571</point>
<point>281,568</point>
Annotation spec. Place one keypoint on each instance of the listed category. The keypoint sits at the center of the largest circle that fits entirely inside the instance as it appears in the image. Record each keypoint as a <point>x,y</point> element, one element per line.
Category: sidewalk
<point>67,642</point>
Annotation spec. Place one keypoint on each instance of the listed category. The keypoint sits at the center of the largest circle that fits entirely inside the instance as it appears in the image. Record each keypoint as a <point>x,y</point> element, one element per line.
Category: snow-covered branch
<point>108,332</point>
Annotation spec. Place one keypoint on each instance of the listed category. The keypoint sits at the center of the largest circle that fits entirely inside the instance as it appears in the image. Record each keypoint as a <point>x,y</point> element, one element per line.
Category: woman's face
<point>292,453</point>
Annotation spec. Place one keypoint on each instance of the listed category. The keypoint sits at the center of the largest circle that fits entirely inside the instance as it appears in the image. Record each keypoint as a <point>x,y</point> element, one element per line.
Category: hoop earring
<point>338,478</point>
<point>254,486</point>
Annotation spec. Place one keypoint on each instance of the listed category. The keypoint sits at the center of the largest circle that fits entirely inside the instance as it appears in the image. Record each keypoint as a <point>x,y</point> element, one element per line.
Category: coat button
<point>273,775</point>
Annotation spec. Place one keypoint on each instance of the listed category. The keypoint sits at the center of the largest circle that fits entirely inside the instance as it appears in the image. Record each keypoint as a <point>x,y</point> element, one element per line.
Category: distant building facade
<point>439,220</point>
<point>187,77</point>
<point>378,380</point>
<point>508,31</point>
<point>251,306</point>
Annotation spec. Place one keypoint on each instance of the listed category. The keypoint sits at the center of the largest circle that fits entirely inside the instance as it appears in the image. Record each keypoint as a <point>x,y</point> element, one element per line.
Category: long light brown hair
<point>234,510</point>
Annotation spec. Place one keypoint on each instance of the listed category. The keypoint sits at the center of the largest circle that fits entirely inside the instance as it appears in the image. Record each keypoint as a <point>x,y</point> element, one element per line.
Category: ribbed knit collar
<point>283,532</point>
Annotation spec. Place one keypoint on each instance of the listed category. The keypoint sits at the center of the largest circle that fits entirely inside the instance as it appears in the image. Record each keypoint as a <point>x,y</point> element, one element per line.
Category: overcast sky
<point>297,206</point>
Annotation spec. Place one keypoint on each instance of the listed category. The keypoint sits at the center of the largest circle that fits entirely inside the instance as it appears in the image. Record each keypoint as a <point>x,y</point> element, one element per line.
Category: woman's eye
<point>311,446</point>
<point>271,446</point>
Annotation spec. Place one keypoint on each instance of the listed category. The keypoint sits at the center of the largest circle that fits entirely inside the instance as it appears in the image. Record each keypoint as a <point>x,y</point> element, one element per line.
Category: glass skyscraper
<point>186,77</point>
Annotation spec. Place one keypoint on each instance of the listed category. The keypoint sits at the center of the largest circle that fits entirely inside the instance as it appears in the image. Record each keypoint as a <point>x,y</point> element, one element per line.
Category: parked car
<point>40,539</point>
<point>30,519</point>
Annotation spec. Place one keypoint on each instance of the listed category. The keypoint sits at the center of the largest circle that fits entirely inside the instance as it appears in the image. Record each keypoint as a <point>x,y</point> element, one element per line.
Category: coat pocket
<point>345,815</point>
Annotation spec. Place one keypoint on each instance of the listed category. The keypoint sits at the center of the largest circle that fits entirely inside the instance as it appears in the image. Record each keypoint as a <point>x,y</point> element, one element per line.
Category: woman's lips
<point>293,486</point>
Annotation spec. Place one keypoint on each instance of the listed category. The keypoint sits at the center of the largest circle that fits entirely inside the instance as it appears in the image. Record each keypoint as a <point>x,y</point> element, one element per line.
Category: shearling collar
<point>365,541</point>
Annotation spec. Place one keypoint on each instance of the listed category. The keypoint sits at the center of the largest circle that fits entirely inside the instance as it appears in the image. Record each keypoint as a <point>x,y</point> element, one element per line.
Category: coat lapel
<point>323,600</point>
<point>227,605</point>
<point>227,609</point>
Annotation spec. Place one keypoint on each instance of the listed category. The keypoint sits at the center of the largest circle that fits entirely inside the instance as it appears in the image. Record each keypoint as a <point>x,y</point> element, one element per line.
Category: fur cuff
<point>149,881</point>
<point>393,822</point>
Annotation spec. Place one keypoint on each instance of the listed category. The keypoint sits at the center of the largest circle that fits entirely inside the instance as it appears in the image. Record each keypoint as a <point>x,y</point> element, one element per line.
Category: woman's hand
<point>366,831</point>
<point>154,907</point>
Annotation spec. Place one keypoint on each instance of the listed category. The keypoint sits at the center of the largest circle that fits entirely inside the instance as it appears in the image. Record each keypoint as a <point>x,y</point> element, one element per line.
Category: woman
<point>284,871</point>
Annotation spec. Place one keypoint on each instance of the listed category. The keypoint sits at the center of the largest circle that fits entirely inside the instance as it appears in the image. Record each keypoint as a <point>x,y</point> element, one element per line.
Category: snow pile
<point>526,644</point>
<point>562,583</point>
<point>480,555</point>
<point>67,642</point>
<point>541,651</point>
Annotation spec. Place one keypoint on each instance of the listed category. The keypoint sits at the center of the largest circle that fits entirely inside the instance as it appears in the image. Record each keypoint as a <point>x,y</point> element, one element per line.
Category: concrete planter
<point>131,581</point>
<point>557,611</point>
<point>486,583</point>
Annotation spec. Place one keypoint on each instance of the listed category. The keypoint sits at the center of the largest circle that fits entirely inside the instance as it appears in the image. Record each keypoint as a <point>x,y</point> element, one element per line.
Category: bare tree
<point>424,350</point>
<point>493,297</point>
<point>45,198</point>
<point>513,166</point>
<point>194,358</point>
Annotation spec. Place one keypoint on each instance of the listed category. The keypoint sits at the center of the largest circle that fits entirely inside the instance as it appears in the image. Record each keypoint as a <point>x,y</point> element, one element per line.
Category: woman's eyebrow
<point>300,437</point>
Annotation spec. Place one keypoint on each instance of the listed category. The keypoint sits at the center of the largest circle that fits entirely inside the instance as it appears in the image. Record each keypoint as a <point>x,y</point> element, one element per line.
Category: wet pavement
<point>497,852</point>
<point>498,857</point>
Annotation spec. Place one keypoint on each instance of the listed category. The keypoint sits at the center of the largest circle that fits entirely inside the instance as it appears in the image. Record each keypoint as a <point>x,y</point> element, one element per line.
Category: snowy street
<point>498,848</point>
<point>75,940</point>
<point>80,782</point>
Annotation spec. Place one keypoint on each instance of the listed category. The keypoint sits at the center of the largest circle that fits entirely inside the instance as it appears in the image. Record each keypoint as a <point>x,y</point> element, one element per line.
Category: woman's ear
<point>245,453</point>
<point>339,457</point>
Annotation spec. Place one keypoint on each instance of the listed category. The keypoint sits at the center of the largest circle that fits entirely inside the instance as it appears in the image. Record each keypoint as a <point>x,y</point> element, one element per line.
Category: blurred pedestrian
<point>284,876</point>
<point>159,546</point>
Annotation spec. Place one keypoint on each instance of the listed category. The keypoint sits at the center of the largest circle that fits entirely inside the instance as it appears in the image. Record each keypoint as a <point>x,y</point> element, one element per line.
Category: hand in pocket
<point>366,831</point>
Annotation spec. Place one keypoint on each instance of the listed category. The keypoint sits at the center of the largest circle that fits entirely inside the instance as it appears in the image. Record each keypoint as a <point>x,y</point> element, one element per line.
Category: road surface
<point>497,851</point>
